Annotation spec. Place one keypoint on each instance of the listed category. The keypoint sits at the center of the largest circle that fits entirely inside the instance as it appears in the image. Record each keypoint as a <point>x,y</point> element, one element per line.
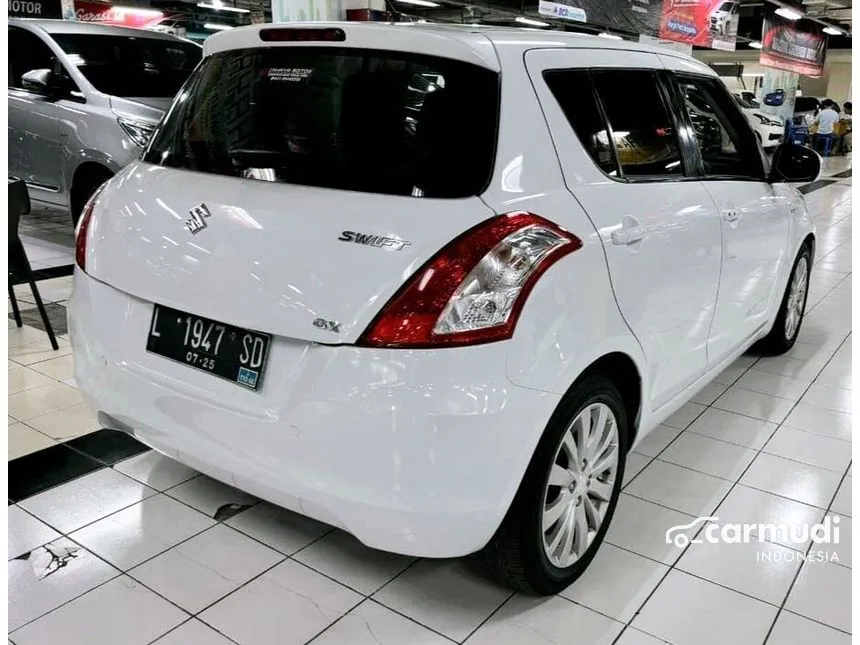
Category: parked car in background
<point>439,323</point>
<point>769,131</point>
<point>83,100</point>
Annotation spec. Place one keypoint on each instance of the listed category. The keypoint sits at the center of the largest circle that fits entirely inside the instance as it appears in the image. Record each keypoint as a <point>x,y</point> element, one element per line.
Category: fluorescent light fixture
<point>832,31</point>
<point>216,27</point>
<point>221,7</point>
<point>135,11</point>
<point>421,3</point>
<point>756,44</point>
<point>606,34</point>
<point>531,22</point>
<point>789,14</point>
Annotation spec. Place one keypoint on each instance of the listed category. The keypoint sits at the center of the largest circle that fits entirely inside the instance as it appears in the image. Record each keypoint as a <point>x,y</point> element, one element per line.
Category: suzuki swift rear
<point>328,282</point>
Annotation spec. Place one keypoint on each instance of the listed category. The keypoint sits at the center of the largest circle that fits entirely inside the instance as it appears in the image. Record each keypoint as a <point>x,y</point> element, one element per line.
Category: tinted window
<point>339,118</point>
<point>575,95</point>
<point>26,53</point>
<point>726,143</point>
<point>131,67</point>
<point>641,127</point>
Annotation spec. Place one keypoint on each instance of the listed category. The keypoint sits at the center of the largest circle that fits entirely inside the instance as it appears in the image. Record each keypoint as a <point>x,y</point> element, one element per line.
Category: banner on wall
<point>636,16</point>
<point>786,47</point>
<point>706,23</point>
<point>106,13</point>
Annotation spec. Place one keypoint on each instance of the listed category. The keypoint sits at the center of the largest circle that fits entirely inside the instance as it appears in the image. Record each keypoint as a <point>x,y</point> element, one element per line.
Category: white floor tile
<point>656,441</point>
<point>734,428</point>
<point>193,632</point>
<point>42,400</point>
<point>342,557</point>
<point>773,384</point>
<point>709,456</point>
<point>679,488</point>
<point>745,505</point>
<point>121,611</point>
<point>59,369</point>
<point>50,576</point>
<point>634,465</point>
<point>135,534</point>
<point>616,582</point>
<point>810,448</point>
<point>842,549</point>
<point>633,636</point>
<point>828,396</point>
<point>205,568</point>
<point>86,499</point>
<point>842,502</point>
<point>823,421</point>
<point>710,393</point>
<point>684,416</point>
<point>26,533</point>
<point>525,620</point>
<point>641,526</point>
<point>155,470</point>
<point>23,378</point>
<point>762,570</point>
<point>443,595</point>
<point>209,496</point>
<point>63,425</point>
<point>288,605</point>
<point>804,369</point>
<point>792,479</point>
<point>791,629</point>
<point>278,528</point>
<point>23,440</point>
<point>754,404</point>
<point>372,624</point>
<point>822,592</point>
<point>835,375</point>
<point>681,611</point>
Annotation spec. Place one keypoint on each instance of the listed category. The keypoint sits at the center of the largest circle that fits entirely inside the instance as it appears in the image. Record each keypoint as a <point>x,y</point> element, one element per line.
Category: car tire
<point>792,308</point>
<point>83,189</point>
<point>521,553</point>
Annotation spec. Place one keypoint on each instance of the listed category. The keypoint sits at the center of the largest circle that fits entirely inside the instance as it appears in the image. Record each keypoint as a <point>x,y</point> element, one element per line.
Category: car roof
<point>472,43</point>
<point>80,27</point>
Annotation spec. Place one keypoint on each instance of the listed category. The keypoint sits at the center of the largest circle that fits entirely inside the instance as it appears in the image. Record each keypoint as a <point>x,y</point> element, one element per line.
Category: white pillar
<point>303,10</point>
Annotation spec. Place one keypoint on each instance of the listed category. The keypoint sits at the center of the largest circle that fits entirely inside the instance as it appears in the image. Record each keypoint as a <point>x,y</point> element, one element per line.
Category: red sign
<point>706,23</point>
<point>108,14</point>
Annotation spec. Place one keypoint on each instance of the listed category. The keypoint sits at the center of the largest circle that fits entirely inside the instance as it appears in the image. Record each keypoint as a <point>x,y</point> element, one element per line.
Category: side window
<point>640,123</point>
<point>27,52</point>
<point>727,145</point>
<point>574,92</point>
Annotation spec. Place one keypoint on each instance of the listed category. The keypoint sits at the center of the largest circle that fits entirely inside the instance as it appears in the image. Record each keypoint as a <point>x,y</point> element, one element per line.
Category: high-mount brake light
<point>83,229</point>
<point>302,34</point>
<point>473,290</point>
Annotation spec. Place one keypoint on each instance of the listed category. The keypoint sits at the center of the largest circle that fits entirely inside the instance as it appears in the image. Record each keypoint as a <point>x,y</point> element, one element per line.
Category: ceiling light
<point>530,21</point>
<point>421,3</point>
<point>789,14</point>
<point>755,44</point>
<point>220,6</point>
<point>833,31</point>
<point>215,27</point>
<point>606,34</point>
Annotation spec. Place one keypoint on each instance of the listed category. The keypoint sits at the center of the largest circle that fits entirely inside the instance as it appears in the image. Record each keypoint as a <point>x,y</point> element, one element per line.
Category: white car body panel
<point>392,444</point>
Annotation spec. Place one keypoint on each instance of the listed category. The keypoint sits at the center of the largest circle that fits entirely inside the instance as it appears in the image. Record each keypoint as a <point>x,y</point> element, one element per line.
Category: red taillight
<point>83,229</point>
<point>473,290</point>
<point>302,34</point>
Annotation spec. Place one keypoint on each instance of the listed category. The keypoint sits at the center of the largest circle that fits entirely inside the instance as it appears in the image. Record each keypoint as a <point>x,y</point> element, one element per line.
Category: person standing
<point>824,124</point>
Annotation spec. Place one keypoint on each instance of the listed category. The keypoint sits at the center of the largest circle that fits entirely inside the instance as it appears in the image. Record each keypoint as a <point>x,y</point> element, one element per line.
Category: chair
<point>19,265</point>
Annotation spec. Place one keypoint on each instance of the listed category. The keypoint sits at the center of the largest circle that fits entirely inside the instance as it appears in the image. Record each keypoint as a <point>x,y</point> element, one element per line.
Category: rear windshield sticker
<point>289,74</point>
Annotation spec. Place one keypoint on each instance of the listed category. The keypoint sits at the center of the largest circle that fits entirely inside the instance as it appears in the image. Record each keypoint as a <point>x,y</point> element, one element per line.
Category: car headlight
<point>138,131</point>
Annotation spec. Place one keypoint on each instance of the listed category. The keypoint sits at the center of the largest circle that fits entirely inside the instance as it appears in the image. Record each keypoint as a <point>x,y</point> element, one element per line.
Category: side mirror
<point>794,163</point>
<point>44,82</point>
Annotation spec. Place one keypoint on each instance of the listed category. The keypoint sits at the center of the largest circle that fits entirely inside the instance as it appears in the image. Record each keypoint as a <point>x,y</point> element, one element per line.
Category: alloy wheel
<point>796,298</point>
<point>580,484</point>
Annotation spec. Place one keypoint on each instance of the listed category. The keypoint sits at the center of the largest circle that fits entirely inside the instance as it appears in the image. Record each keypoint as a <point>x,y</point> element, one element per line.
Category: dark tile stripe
<point>56,316</point>
<point>845,174</point>
<point>37,472</point>
<point>816,185</point>
<point>54,272</point>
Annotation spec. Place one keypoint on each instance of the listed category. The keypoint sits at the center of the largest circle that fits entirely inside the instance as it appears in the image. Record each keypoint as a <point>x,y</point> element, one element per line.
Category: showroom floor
<point>111,544</point>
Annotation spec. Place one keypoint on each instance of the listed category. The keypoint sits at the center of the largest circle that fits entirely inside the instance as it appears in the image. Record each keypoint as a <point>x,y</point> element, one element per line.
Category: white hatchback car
<point>430,284</point>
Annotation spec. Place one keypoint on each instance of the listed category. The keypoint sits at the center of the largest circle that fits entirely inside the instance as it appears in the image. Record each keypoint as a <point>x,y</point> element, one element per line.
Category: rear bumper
<point>416,452</point>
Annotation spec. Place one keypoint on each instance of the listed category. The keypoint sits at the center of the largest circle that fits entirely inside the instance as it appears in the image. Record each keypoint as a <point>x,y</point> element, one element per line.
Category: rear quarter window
<point>351,119</point>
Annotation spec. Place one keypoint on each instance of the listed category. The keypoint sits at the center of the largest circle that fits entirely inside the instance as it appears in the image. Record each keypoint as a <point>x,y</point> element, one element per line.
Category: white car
<point>770,132</point>
<point>430,284</point>
<point>722,16</point>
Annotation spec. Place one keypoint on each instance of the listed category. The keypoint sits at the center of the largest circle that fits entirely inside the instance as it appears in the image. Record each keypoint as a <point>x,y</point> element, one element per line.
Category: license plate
<point>238,355</point>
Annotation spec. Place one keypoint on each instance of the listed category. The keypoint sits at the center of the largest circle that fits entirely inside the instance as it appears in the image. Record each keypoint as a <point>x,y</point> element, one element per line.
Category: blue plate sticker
<point>248,377</point>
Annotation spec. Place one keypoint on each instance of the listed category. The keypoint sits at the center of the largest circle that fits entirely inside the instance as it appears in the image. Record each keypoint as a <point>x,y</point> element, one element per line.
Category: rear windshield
<point>131,67</point>
<point>351,119</point>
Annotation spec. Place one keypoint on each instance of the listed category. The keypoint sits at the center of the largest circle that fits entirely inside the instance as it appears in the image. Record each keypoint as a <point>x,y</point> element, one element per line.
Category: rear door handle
<point>627,235</point>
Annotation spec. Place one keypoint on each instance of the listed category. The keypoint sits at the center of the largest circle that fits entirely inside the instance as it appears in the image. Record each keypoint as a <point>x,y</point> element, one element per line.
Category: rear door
<point>659,227</point>
<point>293,189</point>
<point>755,218</point>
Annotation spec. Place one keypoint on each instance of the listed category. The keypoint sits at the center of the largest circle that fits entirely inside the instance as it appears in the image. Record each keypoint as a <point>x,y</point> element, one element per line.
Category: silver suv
<point>83,101</point>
